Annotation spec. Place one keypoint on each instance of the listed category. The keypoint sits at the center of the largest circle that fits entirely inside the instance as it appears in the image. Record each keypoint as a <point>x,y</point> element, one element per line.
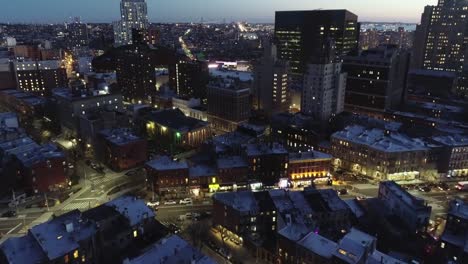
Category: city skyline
<point>55,11</point>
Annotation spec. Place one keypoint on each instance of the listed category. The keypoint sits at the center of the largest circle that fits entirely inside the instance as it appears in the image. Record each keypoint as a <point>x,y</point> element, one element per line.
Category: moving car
<point>186,201</point>
<point>170,202</point>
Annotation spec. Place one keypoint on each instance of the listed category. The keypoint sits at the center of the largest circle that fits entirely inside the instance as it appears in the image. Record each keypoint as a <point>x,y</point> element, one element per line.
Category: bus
<point>462,186</point>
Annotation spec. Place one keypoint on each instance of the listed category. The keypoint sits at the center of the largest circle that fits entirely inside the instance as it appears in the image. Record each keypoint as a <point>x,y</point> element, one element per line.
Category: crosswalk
<point>79,206</point>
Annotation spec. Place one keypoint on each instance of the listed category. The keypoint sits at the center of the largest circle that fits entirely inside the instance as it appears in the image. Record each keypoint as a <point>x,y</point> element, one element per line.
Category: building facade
<point>301,35</point>
<point>376,79</point>
<point>379,154</point>
<point>40,77</point>
<point>323,90</point>
<point>228,103</point>
<point>413,211</point>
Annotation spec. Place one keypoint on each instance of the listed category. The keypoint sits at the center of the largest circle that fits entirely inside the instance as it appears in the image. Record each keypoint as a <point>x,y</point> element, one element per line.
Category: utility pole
<point>46,201</point>
<point>14,201</point>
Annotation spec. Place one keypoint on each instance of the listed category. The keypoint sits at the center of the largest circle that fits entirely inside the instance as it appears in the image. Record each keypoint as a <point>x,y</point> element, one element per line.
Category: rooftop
<point>176,120</point>
<point>353,246</point>
<point>412,201</point>
<point>39,65</point>
<point>318,244</point>
<point>264,149</point>
<point>166,163</point>
<point>119,136</point>
<point>294,232</point>
<point>171,250</point>
<point>453,140</point>
<point>243,201</point>
<point>22,250</point>
<point>62,234</point>
<point>311,155</point>
<point>459,208</point>
<point>231,162</point>
<point>67,94</point>
<point>380,139</point>
<point>135,210</point>
<point>29,152</point>
<point>9,119</point>
<point>201,170</point>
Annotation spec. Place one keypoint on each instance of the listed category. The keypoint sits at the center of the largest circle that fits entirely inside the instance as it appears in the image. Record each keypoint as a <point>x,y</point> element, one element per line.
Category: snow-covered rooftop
<point>452,140</point>
<point>135,210</point>
<point>22,250</point>
<point>294,232</point>
<point>62,234</point>
<point>231,162</point>
<point>378,139</point>
<point>171,250</point>
<point>412,201</point>
<point>354,245</point>
<point>201,170</point>
<point>318,245</point>
<point>243,201</point>
<point>119,136</point>
<point>166,163</point>
<point>262,149</point>
<point>311,155</point>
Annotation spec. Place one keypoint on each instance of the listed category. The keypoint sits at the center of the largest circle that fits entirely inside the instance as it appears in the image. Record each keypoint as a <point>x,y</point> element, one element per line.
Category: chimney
<point>288,220</point>
<point>69,227</point>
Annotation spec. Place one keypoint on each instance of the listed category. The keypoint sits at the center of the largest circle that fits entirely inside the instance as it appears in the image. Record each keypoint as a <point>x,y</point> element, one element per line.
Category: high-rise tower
<point>134,15</point>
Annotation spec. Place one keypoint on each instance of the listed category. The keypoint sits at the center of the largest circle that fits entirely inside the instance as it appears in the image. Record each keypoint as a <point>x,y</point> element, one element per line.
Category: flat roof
<point>170,250</point>
<point>378,139</point>
<point>166,163</point>
<point>62,234</point>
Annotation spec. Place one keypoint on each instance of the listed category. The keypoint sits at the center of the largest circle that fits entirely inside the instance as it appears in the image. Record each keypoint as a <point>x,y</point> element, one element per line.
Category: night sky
<point>48,11</point>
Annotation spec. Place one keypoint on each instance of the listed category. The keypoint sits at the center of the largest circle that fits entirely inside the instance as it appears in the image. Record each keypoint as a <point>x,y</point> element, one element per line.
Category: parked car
<point>10,213</point>
<point>343,192</point>
<point>173,228</point>
<point>153,204</point>
<point>186,201</point>
<point>170,202</point>
<point>443,186</point>
<point>425,188</point>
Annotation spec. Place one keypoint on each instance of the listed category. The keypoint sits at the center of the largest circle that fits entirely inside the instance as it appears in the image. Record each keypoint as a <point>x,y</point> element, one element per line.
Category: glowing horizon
<point>53,11</point>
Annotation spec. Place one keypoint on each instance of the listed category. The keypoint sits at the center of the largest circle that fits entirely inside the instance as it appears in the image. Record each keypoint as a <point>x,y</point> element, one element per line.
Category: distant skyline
<point>56,11</point>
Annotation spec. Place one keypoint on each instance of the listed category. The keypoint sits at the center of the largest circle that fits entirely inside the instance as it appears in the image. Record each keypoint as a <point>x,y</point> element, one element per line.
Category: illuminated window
<point>135,233</point>
<point>76,254</point>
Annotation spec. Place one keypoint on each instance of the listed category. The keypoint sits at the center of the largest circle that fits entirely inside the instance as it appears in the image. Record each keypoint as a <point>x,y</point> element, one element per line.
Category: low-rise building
<point>454,240</point>
<point>171,129</point>
<point>306,167</point>
<point>27,106</point>
<point>379,153</point>
<point>122,149</point>
<point>169,250</point>
<point>268,163</point>
<point>109,233</point>
<point>355,247</point>
<point>453,160</point>
<point>295,131</point>
<point>167,176</point>
<point>412,211</point>
<point>32,167</point>
<point>269,223</point>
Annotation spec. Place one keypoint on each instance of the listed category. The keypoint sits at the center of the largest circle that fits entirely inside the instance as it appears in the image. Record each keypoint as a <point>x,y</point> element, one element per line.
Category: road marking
<point>13,229</point>
<point>86,199</point>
